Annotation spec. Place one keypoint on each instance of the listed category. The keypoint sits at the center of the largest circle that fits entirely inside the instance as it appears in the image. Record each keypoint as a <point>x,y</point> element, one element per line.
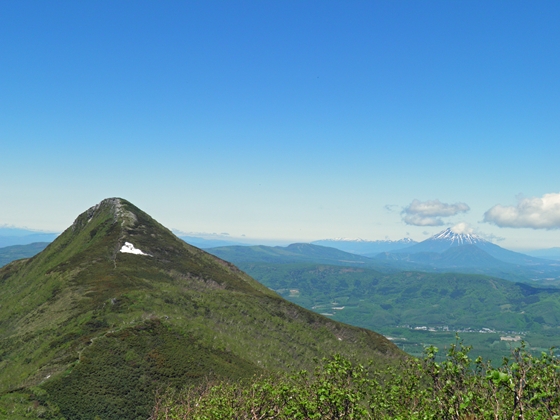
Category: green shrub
<point>523,387</point>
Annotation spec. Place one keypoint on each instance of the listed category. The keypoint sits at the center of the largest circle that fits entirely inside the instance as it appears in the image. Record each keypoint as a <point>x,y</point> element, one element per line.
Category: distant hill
<point>118,307</point>
<point>16,236</point>
<point>302,252</point>
<point>208,243</point>
<point>549,253</point>
<point>456,257</point>
<point>290,253</point>
<point>16,252</point>
<point>363,247</point>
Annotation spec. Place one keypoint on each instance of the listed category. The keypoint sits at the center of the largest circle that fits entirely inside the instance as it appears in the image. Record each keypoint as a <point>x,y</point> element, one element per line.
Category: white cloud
<point>533,212</point>
<point>491,237</point>
<point>429,213</point>
<point>462,228</point>
<point>418,220</point>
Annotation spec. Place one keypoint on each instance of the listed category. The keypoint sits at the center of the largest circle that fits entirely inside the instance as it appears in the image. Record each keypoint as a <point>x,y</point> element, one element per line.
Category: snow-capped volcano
<point>457,237</point>
<point>461,234</point>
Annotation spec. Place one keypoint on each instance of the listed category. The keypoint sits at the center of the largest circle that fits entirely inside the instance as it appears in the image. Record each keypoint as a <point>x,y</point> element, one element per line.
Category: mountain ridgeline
<point>117,307</point>
<point>444,252</point>
<point>363,247</point>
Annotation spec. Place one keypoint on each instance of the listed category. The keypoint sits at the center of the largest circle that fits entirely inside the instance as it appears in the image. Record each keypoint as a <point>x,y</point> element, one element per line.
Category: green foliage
<point>25,405</point>
<point>333,391</point>
<point>523,387</point>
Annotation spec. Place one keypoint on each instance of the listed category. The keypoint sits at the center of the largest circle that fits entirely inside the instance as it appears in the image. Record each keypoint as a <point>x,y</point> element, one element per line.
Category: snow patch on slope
<point>128,248</point>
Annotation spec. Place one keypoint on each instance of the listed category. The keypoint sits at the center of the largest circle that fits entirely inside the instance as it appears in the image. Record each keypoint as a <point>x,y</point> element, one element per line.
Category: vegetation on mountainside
<point>523,387</point>
<point>396,303</point>
<point>115,380</point>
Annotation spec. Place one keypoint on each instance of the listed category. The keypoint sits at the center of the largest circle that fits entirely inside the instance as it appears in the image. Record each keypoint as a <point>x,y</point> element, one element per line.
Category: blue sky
<point>285,120</point>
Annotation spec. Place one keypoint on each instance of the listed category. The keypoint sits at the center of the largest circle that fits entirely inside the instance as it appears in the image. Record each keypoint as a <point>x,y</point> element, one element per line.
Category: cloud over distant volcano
<point>533,212</point>
<point>429,213</point>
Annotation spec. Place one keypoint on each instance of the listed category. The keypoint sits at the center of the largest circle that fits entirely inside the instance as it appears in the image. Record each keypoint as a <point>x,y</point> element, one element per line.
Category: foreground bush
<point>524,387</point>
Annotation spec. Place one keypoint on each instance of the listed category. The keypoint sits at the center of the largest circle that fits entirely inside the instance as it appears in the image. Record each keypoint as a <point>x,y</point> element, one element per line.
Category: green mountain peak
<point>118,306</point>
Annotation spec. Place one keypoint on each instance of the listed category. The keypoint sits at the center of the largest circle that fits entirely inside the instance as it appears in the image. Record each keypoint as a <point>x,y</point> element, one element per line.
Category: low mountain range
<point>207,243</point>
<point>118,307</point>
<point>548,253</point>
<point>444,252</point>
<point>16,252</point>
<point>16,236</point>
<point>298,252</point>
<point>428,255</point>
<point>364,247</point>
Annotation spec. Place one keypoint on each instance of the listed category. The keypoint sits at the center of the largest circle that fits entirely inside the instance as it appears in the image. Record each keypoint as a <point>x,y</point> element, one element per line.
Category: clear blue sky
<point>293,120</point>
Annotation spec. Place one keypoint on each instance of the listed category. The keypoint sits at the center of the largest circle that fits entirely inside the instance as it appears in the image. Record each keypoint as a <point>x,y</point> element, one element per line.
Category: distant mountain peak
<point>365,247</point>
<point>458,235</point>
<point>404,240</point>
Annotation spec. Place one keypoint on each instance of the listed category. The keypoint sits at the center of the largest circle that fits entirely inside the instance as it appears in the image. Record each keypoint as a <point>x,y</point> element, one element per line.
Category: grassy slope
<point>62,310</point>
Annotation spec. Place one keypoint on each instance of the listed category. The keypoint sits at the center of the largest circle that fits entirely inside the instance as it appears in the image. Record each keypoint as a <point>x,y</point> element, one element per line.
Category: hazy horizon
<point>244,240</point>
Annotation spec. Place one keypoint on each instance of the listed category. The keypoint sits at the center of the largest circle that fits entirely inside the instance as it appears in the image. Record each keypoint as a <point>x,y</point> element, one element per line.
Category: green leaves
<point>498,377</point>
<point>524,387</point>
